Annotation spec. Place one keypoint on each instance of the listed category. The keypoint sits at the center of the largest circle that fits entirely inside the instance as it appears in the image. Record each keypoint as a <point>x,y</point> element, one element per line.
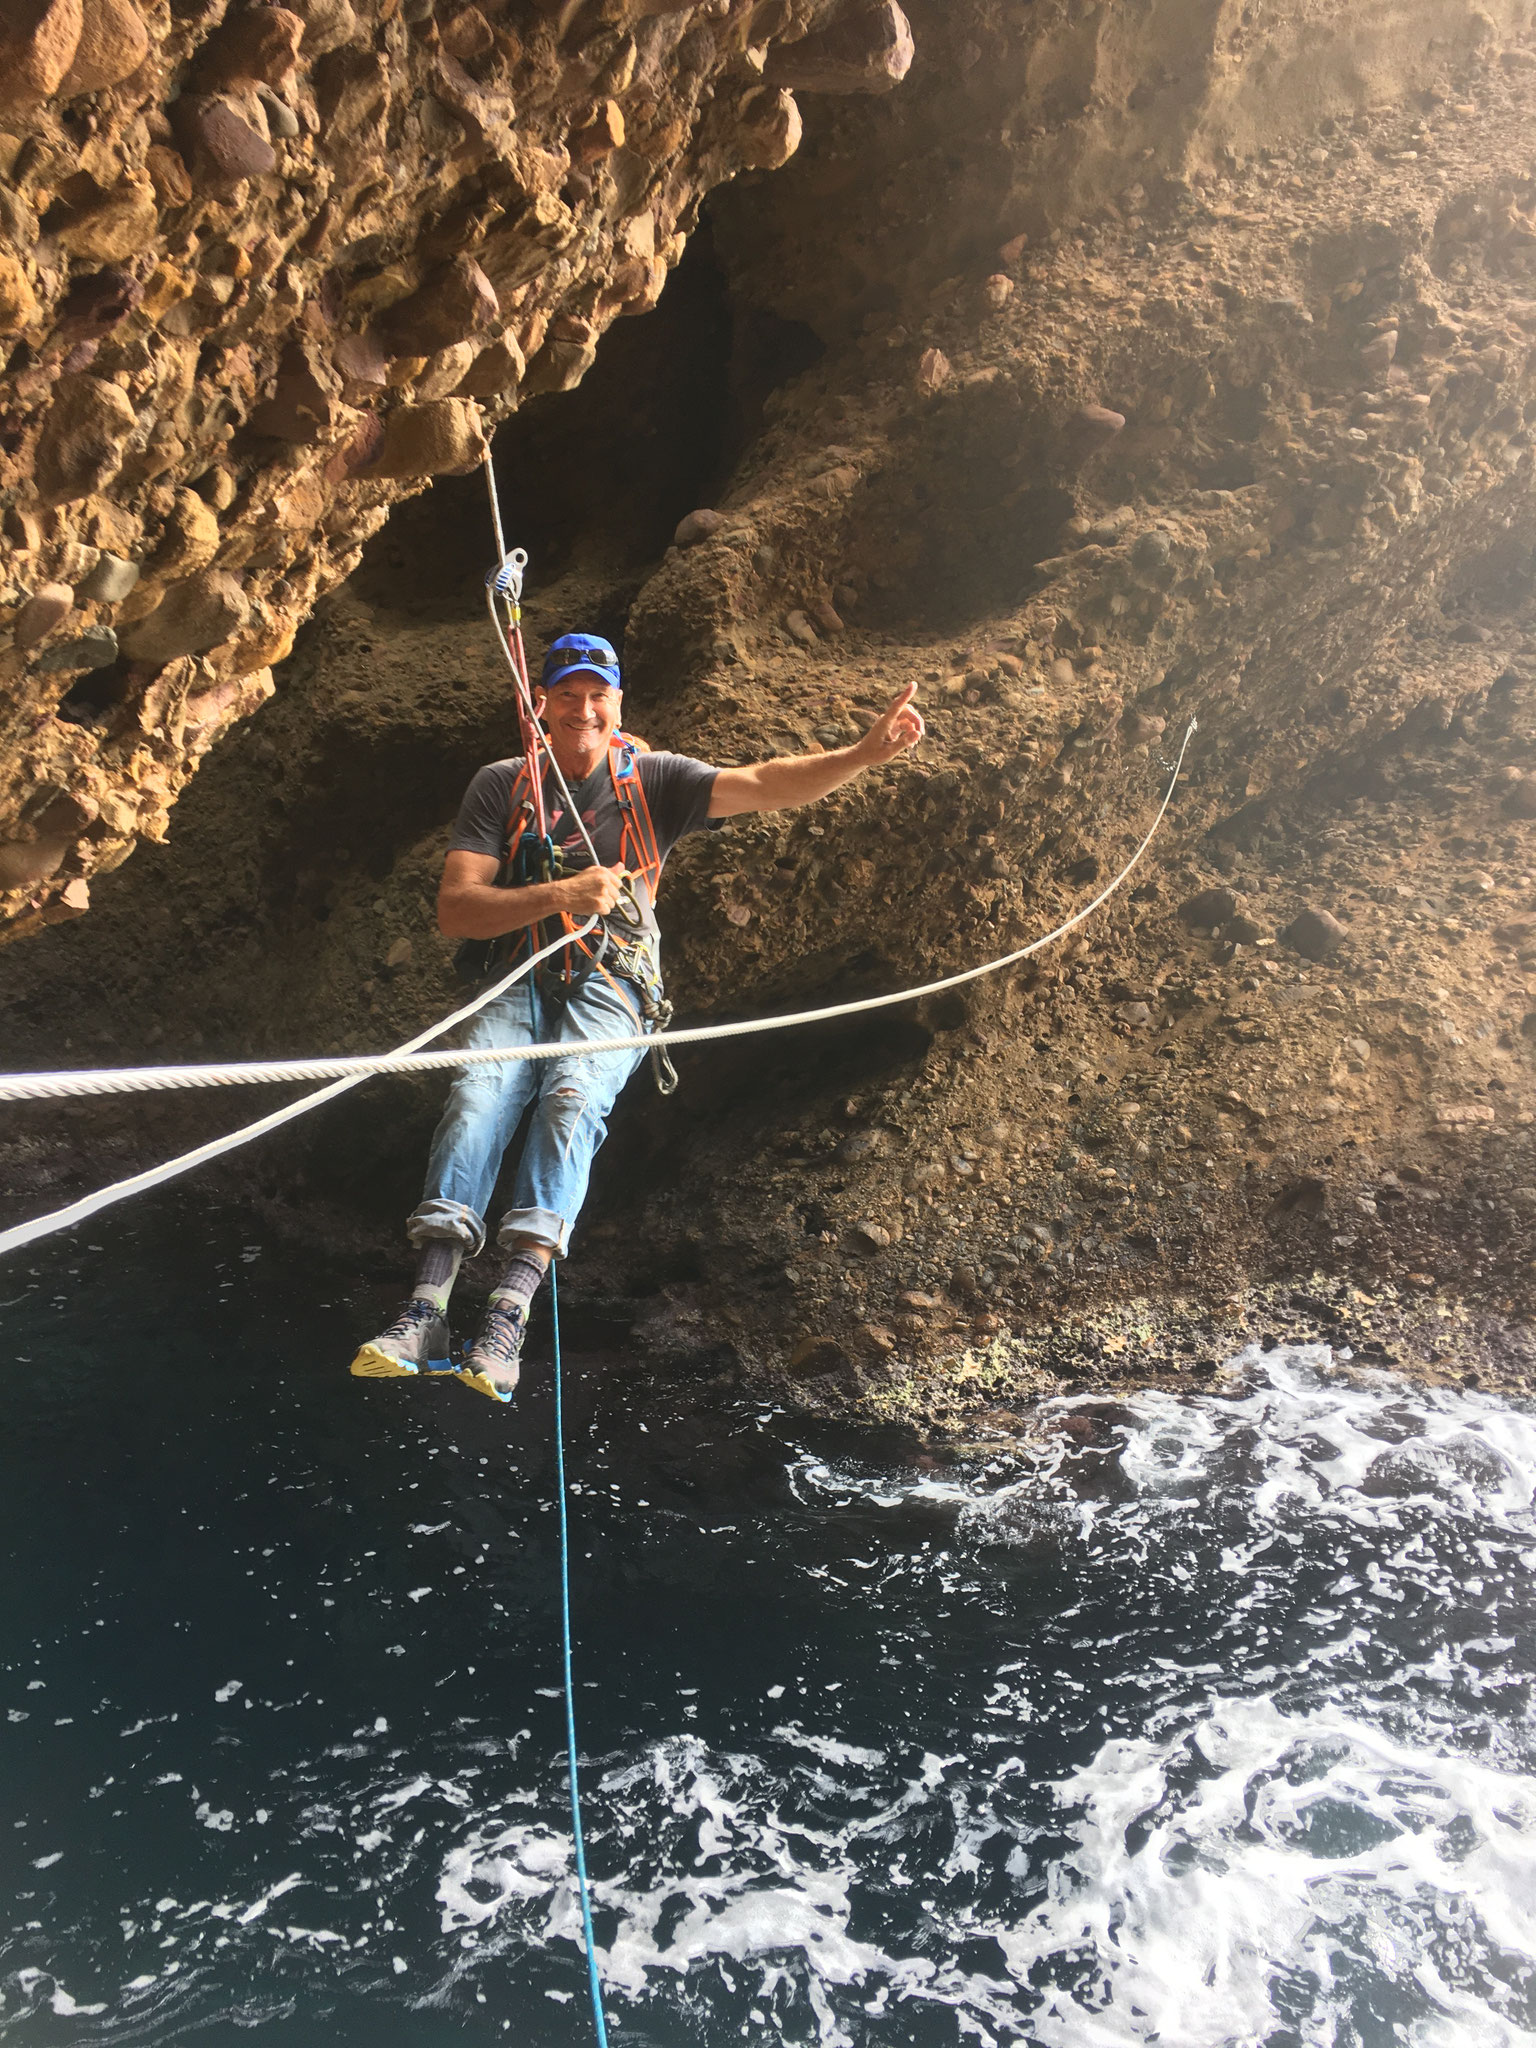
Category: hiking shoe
<point>416,1341</point>
<point>492,1363</point>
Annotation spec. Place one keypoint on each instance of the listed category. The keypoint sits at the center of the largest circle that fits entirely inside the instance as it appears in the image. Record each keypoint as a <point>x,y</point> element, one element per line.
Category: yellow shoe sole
<point>373,1364</point>
<point>483,1384</point>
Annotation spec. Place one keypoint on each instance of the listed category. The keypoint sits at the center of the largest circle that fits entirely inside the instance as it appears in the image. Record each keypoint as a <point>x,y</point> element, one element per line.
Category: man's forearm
<point>796,779</point>
<point>789,781</point>
<point>482,911</point>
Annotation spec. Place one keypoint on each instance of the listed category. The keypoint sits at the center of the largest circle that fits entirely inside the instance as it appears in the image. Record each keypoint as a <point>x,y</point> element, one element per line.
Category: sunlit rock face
<point>1107,372</point>
<point>267,270</point>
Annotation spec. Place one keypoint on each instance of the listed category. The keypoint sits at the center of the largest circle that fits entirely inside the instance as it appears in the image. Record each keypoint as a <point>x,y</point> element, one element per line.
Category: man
<point>579,701</point>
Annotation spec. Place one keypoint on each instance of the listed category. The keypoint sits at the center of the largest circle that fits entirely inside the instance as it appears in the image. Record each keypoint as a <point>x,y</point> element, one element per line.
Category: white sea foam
<point>1239,1750</point>
<point>1310,1857</point>
<point>1246,1867</point>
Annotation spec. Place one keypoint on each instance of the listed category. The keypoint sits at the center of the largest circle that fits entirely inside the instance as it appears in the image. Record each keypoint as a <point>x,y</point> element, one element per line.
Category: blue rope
<point>570,1692</point>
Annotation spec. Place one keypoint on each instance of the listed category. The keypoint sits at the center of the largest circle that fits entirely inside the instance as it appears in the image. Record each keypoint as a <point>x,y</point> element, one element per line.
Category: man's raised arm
<point>796,779</point>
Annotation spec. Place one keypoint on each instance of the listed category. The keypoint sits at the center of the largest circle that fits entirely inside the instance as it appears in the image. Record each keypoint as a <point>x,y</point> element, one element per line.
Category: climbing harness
<point>529,856</point>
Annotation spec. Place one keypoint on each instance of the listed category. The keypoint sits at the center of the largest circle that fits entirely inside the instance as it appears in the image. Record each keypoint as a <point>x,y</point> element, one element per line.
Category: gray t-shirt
<point>677,792</point>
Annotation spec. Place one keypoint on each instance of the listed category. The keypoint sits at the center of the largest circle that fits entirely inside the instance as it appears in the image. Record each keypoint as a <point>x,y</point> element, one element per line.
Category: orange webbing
<point>637,832</point>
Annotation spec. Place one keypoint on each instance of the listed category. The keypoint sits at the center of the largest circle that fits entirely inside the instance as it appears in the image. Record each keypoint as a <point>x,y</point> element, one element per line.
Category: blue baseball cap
<point>578,654</point>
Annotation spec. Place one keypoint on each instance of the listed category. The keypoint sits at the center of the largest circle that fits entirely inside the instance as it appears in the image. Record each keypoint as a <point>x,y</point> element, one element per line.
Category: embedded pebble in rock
<point>110,581</point>
<point>445,372</point>
<point>817,1354</point>
<point>868,51</point>
<point>558,366</point>
<point>43,610</point>
<point>1520,802</point>
<point>18,305</point>
<point>697,526</point>
<point>863,1145</point>
<point>220,147</point>
<point>1152,552</point>
<point>84,438</point>
<point>37,47</point>
<point>1315,934</point>
<point>73,900</point>
<point>194,615</point>
<point>933,372</point>
<point>113,44</point>
<point>1208,908</point>
<point>282,122</point>
<point>363,367</point>
<point>768,127</point>
<point>1376,356</point>
<point>305,404</point>
<point>253,42</point>
<point>95,649</point>
<point>1094,425</point>
<point>452,304</point>
<point>426,440</point>
<point>24,863</point>
<point>495,371</point>
<point>868,1237</point>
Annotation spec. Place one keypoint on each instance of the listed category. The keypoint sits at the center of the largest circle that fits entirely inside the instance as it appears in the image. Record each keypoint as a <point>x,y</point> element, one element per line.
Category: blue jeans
<point>572,1097</point>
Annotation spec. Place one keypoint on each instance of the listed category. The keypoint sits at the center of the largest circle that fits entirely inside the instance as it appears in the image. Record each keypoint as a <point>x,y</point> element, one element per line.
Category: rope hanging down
<point>135,1080</point>
<point>594,1982</point>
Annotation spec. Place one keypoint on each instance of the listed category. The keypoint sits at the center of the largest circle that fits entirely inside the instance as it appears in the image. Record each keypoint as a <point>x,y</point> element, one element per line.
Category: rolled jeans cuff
<point>542,1225</point>
<point>442,1222</point>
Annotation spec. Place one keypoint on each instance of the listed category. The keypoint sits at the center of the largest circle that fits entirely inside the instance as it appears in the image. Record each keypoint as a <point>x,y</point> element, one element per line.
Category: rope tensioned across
<point>136,1080</point>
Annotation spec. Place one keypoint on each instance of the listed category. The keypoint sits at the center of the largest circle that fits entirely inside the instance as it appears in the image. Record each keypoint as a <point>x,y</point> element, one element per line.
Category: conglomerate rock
<point>1117,370</point>
<point>268,269</point>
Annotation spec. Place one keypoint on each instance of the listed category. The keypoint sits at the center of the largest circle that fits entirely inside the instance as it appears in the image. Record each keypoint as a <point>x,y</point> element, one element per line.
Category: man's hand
<point>593,891</point>
<point>471,906</point>
<point>899,726</point>
<point>802,778</point>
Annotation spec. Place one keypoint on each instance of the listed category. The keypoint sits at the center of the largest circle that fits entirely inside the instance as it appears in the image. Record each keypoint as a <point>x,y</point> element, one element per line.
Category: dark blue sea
<point>1205,1720</point>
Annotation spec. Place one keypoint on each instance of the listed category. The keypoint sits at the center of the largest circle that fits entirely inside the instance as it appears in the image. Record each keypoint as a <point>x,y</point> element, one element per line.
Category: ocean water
<point>1209,1721</point>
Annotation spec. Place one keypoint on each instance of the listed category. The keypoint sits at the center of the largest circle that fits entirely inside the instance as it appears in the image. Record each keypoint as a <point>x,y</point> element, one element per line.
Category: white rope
<point>135,1080</point>
<point>156,1176</point>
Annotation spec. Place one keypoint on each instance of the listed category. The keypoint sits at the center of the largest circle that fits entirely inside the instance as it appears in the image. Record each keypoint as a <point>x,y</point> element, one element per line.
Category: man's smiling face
<point>582,714</point>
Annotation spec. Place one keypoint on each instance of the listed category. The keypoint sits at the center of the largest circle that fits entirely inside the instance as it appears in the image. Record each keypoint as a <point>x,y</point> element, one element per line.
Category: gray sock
<point>437,1268</point>
<point>520,1282</point>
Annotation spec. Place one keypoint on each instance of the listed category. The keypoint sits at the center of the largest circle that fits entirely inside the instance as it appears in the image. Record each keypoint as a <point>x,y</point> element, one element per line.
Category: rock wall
<point>1115,370</point>
<point>269,269</point>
